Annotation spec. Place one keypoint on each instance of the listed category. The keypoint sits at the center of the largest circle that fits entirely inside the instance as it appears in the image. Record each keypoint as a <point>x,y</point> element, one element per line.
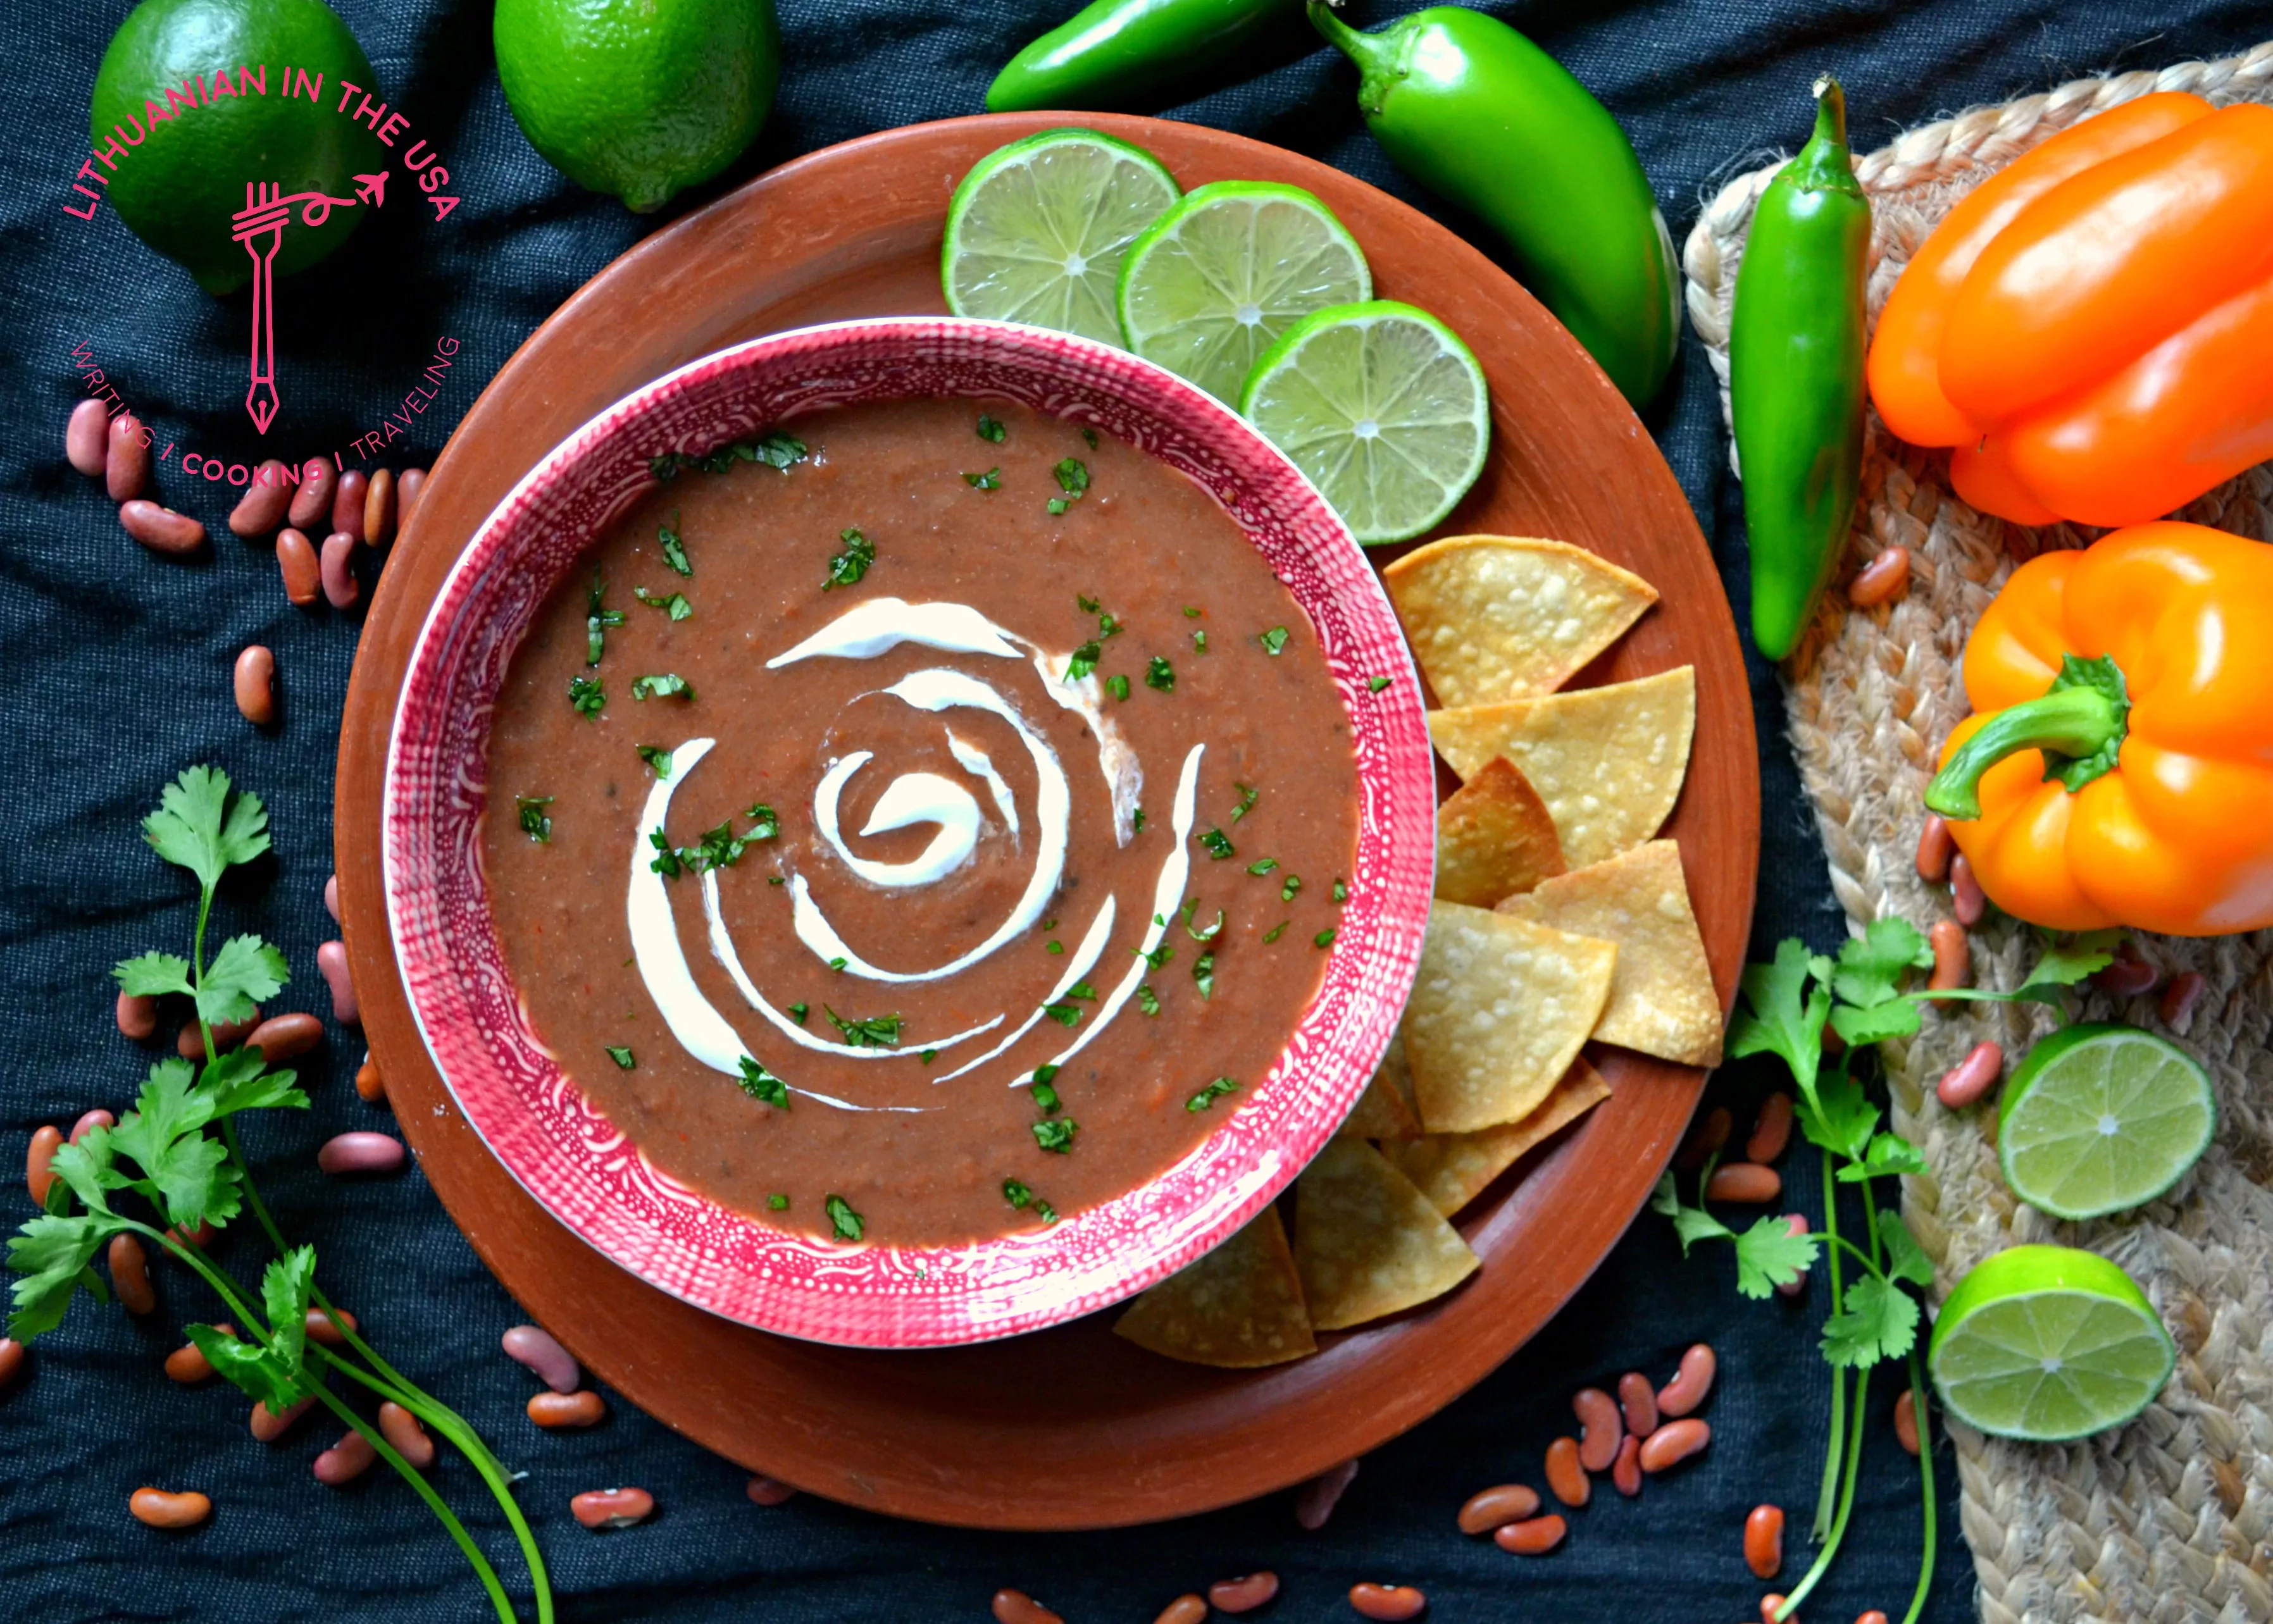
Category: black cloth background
<point>115,665</point>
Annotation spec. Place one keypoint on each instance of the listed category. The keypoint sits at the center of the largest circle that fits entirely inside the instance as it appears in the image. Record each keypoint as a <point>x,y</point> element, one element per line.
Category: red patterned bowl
<point>592,1177</point>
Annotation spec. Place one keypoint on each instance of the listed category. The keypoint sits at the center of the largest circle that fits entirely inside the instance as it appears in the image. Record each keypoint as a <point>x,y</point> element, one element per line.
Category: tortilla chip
<point>1494,618</point>
<point>1384,1111</point>
<point>1366,1242</point>
<point>1498,1012</point>
<point>1493,838</point>
<point>1238,1308</point>
<point>1661,997</point>
<point>1608,761</point>
<point>1451,1170</point>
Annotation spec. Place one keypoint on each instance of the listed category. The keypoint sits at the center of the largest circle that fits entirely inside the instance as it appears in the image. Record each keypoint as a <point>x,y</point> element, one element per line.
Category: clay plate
<point>951,1436</point>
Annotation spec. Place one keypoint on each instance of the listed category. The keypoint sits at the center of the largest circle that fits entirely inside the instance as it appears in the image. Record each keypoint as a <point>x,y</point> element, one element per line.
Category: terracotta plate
<point>951,1436</point>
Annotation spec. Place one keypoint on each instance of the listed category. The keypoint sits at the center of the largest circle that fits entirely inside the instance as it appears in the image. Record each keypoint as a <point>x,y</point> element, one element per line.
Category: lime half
<point>1383,407</point>
<point>2099,1118</point>
<point>2048,1343</point>
<point>1222,274</point>
<point>1036,231</point>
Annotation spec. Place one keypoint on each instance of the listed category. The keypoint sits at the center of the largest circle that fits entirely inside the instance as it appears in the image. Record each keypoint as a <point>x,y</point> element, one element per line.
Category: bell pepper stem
<point>2078,724</point>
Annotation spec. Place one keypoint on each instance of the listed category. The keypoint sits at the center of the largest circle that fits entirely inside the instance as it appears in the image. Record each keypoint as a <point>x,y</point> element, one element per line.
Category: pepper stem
<point>1370,51</point>
<point>2080,725</point>
<point>1824,164</point>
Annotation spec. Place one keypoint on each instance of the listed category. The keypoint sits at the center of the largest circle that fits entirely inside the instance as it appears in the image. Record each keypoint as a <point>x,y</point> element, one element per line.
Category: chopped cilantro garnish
<point>621,1056</point>
<point>929,1056</point>
<point>1341,892</point>
<point>847,1223</point>
<point>1147,1001</point>
<point>1160,675</point>
<point>1049,925</point>
<point>1276,930</point>
<point>989,429</point>
<point>1064,1014</point>
<point>1046,1097</point>
<point>776,450</point>
<point>1375,684</point>
<point>1082,990</point>
<point>1191,613</point>
<point>1207,935</point>
<point>717,849</point>
<point>1157,957</point>
<point>1057,504</point>
<point>1053,946</point>
<point>1056,1133</point>
<point>1248,797</point>
<point>838,964</point>
<point>1213,1092</point>
<point>535,822</point>
<point>1073,475</point>
<point>765,823</point>
<point>674,550</point>
<point>1204,973</point>
<point>1117,685</point>
<point>1293,884</point>
<point>1089,435</point>
<point>1108,625</point>
<point>1219,845</point>
<point>850,565</point>
<point>801,1011</point>
<point>666,861</point>
<point>1137,820</point>
<point>761,1084</point>
<point>779,1204</point>
<point>1083,662</point>
<point>1017,1195</point>
<point>1274,640</point>
<point>586,694</point>
<point>1089,605</point>
<point>875,1032</point>
<point>1262,867</point>
<point>599,619</point>
<point>776,880</point>
<point>1199,642</point>
<point>1046,1074</point>
<point>675,606</point>
<point>1325,938</point>
<point>991,480</point>
<point>658,759</point>
<point>663,685</point>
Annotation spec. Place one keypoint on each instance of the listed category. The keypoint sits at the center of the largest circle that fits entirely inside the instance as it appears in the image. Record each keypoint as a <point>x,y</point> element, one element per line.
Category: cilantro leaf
<point>1208,1096</point>
<point>245,971</point>
<point>1837,1116</point>
<point>1859,1024</point>
<point>1888,1153</point>
<point>54,1254</point>
<point>1147,1001</point>
<point>254,1372</point>
<point>150,974</point>
<point>1871,966</point>
<point>664,684</point>
<point>1878,1322</point>
<point>1906,1260</point>
<point>1203,973</point>
<point>2063,966</point>
<point>674,550</point>
<point>875,1032</point>
<point>87,1170</point>
<point>1218,845</point>
<point>197,827</point>
<point>1768,1255</point>
<point>847,1223</point>
<point>763,1085</point>
<point>240,1081</point>
<point>1689,1223</point>
<point>285,1286</point>
<point>168,1107</point>
<point>846,567</point>
<point>1782,1013</point>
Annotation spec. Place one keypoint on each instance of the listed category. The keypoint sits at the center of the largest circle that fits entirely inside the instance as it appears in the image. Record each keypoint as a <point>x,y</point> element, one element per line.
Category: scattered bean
<point>1953,956</point>
<point>1764,1541</point>
<point>1935,847</point>
<point>360,1153</point>
<point>302,569</point>
<point>1017,1607</point>
<point>127,466</point>
<point>533,1346</point>
<point>160,1509</point>
<point>2124,976</point>
<point>1906,1428</point>
<point>766,1491</point>
<point>319,1327</point>
<point>256,685</point>
<point>1747,1184</point>
<point>345,1460</point>
<point>1966,897</point>
<point>1886,577</point>
<point>312,502</point>
<point>191,1044</point>
<point>138,1016</point>
<point>332,959</point>
<point>1971,1077</point>
<point>402,1429</point>
<point>1565,1474</point>
<point>2180,996</point>
<point>130,1275</point>
<point>331,898</point>
<point>1771,1129</point>
<point>188,1363</point>
<point>1186,1609</point>
<point>1673,1443</point>
<point>1872,1616</point>
<point>1601,1430</point>
<point>1495,1508</point>
<point>1322,1493</point>
<point>1625,1471</point>
<point>1795,1223</point>
<point>1687,1390</point>
<point>37,1174</point>
<point>1768,1606</point>
<point>406,493</point>
<point>335,568</point>
<point>1393,1602</point>
<point>1706,1139</point>
<point>1534,1538</point>
<point>86,440</point>
<point>566,1408</point>
<point>160,530</point>
<point>89,1121</point>
<point>12,1361</point>
<point>199,1235</point>
<point>270,1424</point>
<point>378,509</point>
<point>603,1508</point>
<point>1832,1043</point>
<point>285,1037</point>
<point>261,509</point>
<point>1638,1404</point>
<point>1243,1594</point>
<point>347,503</point>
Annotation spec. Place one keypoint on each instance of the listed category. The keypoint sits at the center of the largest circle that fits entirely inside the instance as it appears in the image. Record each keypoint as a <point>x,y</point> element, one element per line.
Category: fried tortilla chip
<point>1498,1012</point>
<point>1451,1170</point>
<point>1384,1111</point>
<point>1494,618</point>
<point>1238,1308</point>
<point>1661,996</point>
<point>1366,1242</point>
<point>1493,838</point>
<point>1608,761</point>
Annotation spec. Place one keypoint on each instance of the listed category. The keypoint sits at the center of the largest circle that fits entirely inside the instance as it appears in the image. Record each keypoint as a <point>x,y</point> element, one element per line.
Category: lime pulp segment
<point>2101,1119</point>
<point>1383,407</point>
<point>1218,277</point>
<point>1038,230</point>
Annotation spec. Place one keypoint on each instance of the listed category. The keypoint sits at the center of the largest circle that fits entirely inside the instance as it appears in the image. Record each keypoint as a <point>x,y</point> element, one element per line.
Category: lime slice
<point>1036,231</point>
<point>1223,273</point>
<point>1383,407</point>
<point>2100,1119</point>
<point>2048,1343</point>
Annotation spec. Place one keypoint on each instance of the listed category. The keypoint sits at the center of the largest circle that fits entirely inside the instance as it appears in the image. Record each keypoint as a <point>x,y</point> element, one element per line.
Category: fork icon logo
<point>260,225</point>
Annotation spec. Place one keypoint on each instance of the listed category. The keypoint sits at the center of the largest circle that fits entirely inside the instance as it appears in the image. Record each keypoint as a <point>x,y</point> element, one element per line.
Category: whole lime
<point>638,98</point>
<point>232,121</point>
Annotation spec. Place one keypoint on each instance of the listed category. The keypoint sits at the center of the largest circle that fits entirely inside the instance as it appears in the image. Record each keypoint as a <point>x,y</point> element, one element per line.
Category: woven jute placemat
<point>2169,1519</point>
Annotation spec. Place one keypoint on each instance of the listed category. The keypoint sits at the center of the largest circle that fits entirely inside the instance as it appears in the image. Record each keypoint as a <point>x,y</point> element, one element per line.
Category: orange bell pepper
<point>2117,769</point>
<point>2090,325</point>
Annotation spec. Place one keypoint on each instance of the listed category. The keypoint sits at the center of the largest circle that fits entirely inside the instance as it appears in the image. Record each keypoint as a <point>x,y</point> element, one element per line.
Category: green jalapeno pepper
<point>1125,53</point>
<point>1796,380</point>
<point>1482,117</point>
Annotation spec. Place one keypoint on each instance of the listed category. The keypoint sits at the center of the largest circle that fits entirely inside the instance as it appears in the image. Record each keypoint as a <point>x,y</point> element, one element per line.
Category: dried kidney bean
<point>261,508</point>
<point>1638,1404</point>
<point>1392,1603</point>
<point>1243,1594</point>
<point>311,502</point>
<point>1534,1536</point>
<point>1906,1426</point>
<point>1768,1606</point>
<point>90,1120</point>
<point>602,1508</point>
<point>1017,1607</point>
<point>12,1361</point>
<point>1186,1609</point>
<point>126,461</point>
<point>130,1275</point>
<point>254,684</point>
<point>1322,1493</point>
<point>285,1037</point>
<point>1771,1129</point>
<point>302,569</point>
<point>1688,1389</point>
<point>1625,1471</point>
<point>347,503</point>
<point>1886,577</point>
<point>138,1016</point>
<point>1953,956</point>
<point>1601,1430</point>
<point>160,1509</point>
<point>37,1174</point>
<point>1872,1616</point>
<point>199,1235</point>
<point>335,568</point>
<point>370,1088</point>
<point>1971,1077</point>
<point>1565,1476</point>
<point>360,1153</point>
<point>557,1409</point>
<point>2180,996</point>
<point>188,1363</point>
<point>766,1491</point>
<point>403,1430</point>
<point>270,1424</point>
<point>1498,1507</point>
<point>190,1043</point>
<point>1935,847</point>
<point>160,530</point>
<point>332,961</point>
<point>1796,1223</point>
<point>1706,1138</point>
<point>87,439</point>
<point>406,494</point>
<point>378,509</point>
<point>1764,1541</point>
<point>345,1460</point>
<point>533,1346</point>
<point>1674,1442</point>
<point>2126,974</point>
<point>1746,1184</point>
<point>1966,900</point>
<point>318,1326</point>
<point>332,897</point>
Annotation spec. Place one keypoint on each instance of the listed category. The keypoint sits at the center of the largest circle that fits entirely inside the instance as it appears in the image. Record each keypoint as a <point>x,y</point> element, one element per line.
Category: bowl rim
<point>879,1294</point>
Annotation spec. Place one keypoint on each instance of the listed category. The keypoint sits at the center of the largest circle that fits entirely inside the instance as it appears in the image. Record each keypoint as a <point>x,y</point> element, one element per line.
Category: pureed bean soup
<point>885,852</point>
